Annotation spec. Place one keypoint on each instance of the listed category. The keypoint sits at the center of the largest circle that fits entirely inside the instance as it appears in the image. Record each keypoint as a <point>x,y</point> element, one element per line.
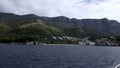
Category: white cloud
<point>70,8</point>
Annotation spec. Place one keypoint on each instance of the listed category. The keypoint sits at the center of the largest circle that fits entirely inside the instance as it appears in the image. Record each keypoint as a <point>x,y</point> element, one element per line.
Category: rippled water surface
<point>28,56</point>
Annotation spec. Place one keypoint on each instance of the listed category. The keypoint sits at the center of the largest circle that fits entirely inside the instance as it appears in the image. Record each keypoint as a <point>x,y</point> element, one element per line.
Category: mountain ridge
<point>100,26</point>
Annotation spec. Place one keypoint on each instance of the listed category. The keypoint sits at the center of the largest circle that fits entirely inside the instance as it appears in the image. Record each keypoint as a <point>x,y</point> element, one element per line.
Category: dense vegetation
<point>34,31</point>
<point>32,28</point>
<point>26,31</point>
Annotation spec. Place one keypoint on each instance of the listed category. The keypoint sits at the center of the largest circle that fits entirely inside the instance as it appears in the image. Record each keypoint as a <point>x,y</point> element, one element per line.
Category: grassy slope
<point>29,28</point>
<point>38,28</point>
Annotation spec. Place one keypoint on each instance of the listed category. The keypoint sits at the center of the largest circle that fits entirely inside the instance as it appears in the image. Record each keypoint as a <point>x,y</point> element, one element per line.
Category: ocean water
<point>58,56</point>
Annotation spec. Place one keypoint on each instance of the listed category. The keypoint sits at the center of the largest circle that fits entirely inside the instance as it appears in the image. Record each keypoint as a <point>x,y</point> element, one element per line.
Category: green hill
<point>4,28</point>
<point>26,31</point>
<point>37,28</point>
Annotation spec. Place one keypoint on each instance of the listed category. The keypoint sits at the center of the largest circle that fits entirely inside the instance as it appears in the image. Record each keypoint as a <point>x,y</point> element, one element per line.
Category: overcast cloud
<point>70,8</point>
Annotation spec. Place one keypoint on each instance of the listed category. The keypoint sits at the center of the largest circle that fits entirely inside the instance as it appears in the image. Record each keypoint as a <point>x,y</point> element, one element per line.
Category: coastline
<point>20,44</point>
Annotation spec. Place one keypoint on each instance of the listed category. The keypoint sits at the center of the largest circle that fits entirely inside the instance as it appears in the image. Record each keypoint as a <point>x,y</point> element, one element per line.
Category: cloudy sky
<point>70,8</point>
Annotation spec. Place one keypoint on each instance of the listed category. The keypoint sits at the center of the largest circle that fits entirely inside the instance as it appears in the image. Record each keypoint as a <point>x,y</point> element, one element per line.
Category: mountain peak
<point>31,15</point>
<point>105,19</point>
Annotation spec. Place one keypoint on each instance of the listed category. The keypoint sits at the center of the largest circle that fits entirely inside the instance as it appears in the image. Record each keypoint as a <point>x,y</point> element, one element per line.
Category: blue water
<point>28,56</point>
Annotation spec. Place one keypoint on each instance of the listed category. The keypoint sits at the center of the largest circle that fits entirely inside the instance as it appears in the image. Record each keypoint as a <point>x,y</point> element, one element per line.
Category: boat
<point>118,66</point>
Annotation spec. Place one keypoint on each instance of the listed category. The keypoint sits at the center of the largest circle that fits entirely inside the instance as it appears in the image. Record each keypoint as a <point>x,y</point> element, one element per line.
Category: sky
<point>71,8</point>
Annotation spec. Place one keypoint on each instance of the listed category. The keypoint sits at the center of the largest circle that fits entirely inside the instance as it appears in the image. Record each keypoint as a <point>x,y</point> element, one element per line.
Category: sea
<point>58,56</point>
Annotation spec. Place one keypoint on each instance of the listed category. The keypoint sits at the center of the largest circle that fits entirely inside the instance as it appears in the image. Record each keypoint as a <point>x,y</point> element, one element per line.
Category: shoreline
<point>54,45</point>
